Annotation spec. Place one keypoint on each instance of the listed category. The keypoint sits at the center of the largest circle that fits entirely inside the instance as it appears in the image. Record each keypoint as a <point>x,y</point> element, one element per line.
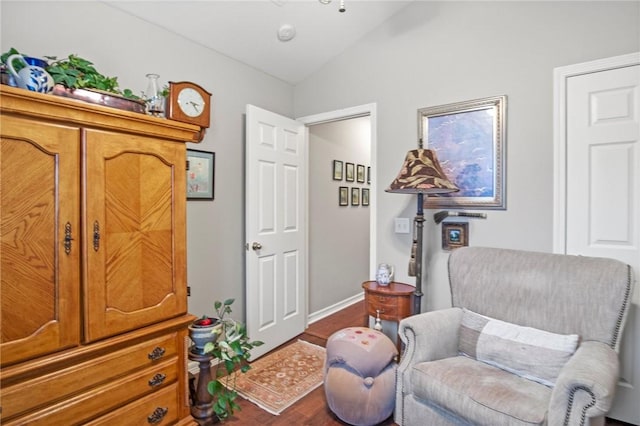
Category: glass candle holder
<point>153,96</point>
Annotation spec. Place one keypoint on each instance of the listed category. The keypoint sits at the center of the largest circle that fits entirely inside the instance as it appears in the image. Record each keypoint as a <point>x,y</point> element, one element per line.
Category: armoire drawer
<point>159,408</point>
<point>62,384</point>
<point>104,399</point>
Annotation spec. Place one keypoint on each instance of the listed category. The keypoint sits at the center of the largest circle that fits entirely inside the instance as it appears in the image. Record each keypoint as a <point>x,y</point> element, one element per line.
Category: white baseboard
<point>325,312</point>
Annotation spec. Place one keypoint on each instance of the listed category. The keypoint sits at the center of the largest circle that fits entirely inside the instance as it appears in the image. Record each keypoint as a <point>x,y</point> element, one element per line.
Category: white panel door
<point>603,194</point>
<point>275,228</point>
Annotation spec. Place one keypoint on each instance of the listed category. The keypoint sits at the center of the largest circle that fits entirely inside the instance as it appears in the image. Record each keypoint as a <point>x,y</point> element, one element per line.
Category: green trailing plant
<point>75,72</point>
<point>232,349</point>
<point>5,56</point>
<point>17,65</point>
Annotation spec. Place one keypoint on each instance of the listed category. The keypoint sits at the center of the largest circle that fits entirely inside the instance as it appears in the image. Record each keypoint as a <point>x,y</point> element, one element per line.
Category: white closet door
<point>602,189</point>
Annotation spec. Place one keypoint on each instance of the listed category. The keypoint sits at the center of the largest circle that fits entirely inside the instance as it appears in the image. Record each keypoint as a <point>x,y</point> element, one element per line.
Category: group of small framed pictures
<point>352,172</point>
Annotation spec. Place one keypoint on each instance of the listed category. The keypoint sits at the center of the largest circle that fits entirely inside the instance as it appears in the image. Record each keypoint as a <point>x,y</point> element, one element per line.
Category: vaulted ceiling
<point>248,31</point>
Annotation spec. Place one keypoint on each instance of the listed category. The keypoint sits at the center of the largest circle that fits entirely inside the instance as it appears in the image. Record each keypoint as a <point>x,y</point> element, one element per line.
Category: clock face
<point>190,101</point>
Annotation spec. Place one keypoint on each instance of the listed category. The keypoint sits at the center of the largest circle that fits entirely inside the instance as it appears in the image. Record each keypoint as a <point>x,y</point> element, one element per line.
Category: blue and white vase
<point>31,77</point>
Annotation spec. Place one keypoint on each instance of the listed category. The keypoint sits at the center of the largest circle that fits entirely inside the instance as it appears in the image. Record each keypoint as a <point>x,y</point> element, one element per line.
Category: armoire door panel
<point>136,256</point>
<point>40,273</point>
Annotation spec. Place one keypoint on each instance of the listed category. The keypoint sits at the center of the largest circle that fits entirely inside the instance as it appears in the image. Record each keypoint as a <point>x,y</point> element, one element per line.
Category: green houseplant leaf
<point>232,349</point>
<point>75,72</point>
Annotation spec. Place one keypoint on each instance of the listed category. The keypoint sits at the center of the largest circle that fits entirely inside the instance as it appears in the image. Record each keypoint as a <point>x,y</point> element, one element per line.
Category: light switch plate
<point>402,225</point>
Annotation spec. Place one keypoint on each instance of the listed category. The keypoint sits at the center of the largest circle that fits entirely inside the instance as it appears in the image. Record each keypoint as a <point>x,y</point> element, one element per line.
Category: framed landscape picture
<point>469,140</point>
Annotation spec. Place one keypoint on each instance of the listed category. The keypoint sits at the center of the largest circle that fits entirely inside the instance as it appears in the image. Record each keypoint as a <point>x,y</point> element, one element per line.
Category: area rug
<point>281,378</point>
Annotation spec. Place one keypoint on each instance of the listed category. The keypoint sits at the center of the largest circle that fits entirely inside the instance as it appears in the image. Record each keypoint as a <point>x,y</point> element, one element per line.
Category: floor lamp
<point>420,174</point>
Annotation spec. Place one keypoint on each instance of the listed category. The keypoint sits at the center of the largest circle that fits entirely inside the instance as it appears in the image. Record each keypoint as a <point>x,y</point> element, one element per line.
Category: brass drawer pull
<point>96,236</point>
<point>67,238</point>
<point>157,380</point>
<point>157,415</point>
<point>156,354</point>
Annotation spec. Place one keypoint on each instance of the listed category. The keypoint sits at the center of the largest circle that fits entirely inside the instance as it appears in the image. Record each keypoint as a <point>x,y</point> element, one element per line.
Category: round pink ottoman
<point>360,375</point>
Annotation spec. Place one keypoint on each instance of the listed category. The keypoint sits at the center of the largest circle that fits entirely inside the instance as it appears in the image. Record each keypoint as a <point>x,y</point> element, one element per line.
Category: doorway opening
<point>340,238</point>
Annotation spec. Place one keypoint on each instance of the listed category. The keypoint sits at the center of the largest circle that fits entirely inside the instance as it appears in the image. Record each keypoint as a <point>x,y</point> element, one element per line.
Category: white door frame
<point>341,114</point>
<point>561,76</point>
<point>561,80</point>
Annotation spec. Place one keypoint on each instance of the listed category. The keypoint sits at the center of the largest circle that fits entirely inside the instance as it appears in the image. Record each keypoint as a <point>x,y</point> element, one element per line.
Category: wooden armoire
<point>93,264</point>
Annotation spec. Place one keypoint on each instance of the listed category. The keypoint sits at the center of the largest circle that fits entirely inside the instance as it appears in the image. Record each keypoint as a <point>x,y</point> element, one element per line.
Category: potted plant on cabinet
<point>75,72</point>
<point>229,346</point>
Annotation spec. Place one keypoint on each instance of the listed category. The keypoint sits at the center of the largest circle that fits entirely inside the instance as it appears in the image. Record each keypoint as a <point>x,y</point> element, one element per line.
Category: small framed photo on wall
<point>337,170</point>
<point>349,172</point>
<point>360,173</point>
<point>455,235</point>
<point>343,196</point>
<point>355,196</point>
<point>200,174</point>
<point>365,196</point>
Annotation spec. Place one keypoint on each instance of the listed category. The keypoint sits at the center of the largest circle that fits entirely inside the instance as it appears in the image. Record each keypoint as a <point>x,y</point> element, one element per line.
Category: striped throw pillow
<point>528,352</point>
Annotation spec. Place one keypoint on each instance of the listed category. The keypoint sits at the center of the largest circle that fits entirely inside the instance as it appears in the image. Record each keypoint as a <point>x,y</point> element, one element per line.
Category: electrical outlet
<point>402,225</point>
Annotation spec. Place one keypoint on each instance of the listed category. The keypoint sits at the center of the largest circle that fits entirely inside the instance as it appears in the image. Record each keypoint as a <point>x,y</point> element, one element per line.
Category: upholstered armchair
<point>530,339</point>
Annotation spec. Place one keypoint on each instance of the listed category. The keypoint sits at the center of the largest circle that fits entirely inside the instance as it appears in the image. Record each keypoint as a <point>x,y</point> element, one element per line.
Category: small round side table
<point>393,302</point>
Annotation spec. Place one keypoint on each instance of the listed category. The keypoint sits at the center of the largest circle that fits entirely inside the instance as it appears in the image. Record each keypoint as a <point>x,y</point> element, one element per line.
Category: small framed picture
<point>343,196</point>
<point>350,172</point>
<point>337,170</point>
<point>200,173</point>
<point>455,235</point>
<point>365,196</point>
<point>355,196</point>
<point>360,173</point>
<point>369,175</point>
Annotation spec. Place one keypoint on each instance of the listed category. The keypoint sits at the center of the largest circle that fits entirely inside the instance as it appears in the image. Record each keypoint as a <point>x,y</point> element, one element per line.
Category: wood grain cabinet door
<point>40,238</point>
<point>135,245</point>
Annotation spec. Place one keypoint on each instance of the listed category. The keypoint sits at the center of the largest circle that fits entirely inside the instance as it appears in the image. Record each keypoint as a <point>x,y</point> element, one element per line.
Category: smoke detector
<point>286,32</point>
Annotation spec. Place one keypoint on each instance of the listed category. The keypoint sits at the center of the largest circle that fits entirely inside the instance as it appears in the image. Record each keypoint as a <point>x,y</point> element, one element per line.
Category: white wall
<point>338,235</point>
<point>434,53</point>
<point>431,53</point>
<point>126,47</point>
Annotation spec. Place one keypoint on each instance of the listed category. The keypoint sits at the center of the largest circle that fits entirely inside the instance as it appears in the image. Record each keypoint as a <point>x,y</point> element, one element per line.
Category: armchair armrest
<point>586,385</point>
<point>430,336</point>
<point>427,337</point>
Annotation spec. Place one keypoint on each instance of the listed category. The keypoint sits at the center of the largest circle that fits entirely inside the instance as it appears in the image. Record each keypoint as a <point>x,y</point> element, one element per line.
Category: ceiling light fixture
<point>286,32</point>
<point>325,1</point>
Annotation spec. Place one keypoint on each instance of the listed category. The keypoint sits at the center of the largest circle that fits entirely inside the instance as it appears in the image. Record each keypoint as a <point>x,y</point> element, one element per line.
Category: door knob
<point>256,246</point>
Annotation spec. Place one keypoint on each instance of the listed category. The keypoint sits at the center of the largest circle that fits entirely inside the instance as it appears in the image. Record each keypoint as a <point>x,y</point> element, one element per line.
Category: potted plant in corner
<point>230,346</point>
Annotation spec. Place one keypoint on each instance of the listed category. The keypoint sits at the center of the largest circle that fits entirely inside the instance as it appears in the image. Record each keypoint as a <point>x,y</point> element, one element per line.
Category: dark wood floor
<point>312,409</point>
